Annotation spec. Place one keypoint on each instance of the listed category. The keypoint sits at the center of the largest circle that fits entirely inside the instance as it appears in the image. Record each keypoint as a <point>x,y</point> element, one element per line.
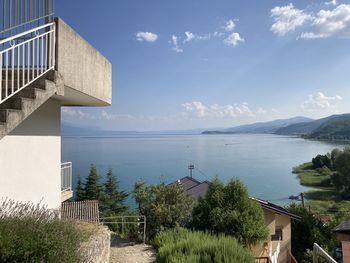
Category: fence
<point>22,15</point>
<point>66,176</point>
<point>131,227</point>
<point>26,57</point>
<point>86,211</point>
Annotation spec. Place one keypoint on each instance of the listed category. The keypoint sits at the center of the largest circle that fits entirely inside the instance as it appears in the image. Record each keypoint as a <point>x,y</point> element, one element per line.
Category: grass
<point>324,198</point>
<point>311,177</point>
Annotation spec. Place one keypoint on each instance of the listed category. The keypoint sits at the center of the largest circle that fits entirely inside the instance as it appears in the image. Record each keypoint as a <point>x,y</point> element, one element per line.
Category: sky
<point>200,63</point>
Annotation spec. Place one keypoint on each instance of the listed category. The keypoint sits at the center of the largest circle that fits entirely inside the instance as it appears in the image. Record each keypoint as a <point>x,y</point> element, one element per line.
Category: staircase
<point>27,59</point>
<point>17,108</point>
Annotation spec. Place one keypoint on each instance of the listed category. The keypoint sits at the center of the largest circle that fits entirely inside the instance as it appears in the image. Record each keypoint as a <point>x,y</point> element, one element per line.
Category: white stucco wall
<point>30,158</point>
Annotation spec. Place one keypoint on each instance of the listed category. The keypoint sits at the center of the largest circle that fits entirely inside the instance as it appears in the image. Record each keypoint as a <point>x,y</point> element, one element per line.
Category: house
<point>342,232</point>
<point>44,65</point>
<point>277,219</point>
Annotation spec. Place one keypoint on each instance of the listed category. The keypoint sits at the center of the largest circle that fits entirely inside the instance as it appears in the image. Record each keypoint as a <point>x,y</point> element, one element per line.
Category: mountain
<point>262,127</point>
<point>336,128</point>
<point>325,128</point>
<point>69,130</point>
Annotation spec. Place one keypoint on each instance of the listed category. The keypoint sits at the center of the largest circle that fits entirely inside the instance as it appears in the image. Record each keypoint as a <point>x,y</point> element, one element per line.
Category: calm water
<point>263,162</point>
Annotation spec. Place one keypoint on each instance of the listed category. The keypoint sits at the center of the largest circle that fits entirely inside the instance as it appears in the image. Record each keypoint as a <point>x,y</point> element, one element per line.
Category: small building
<point>277,219</point>
<point>342,232</point>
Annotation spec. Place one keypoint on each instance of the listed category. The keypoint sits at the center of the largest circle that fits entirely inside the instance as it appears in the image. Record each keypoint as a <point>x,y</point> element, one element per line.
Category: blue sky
<point>201,63</point>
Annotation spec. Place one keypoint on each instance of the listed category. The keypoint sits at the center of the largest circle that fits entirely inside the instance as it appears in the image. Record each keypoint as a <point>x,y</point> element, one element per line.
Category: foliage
<point>31,233</point>
<point>93,187</point>
<point>79,191</point>
<point>114,199</point>
<point>184,246</point>
<point>307,231</point>
<point>228,209</point>
<point>313,177</point>
<point>341,178</point>
<point>164,206</point>
<point>320,161</point>
<point>111,200</point>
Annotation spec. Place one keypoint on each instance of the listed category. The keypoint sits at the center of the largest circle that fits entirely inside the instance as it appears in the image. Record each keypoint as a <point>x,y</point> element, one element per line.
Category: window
<point>278,234</point>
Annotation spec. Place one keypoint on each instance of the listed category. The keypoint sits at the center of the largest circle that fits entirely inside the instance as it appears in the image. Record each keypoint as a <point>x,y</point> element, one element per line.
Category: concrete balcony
<point>66,181</point>
<point>84,74</point>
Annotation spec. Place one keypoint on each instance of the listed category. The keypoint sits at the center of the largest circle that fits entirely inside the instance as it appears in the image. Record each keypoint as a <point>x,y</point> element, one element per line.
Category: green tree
<point>320,161</point>
<point>114,199</point>
<point>228,209</point>
<point>93,186</point>
<point>341,178</point>
<point>79,190</point>
<point>334,155</point>
<point>307,231</point>
<point>164,206</point>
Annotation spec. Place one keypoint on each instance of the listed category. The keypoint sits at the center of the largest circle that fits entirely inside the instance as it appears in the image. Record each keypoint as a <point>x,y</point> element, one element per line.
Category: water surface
<point>263,162</point>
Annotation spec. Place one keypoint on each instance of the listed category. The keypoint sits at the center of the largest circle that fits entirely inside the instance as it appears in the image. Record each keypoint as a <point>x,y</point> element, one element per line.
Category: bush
<point>31,233</point>
<point>228,209</point>
<point>164,206</point>
<point>181,245</point>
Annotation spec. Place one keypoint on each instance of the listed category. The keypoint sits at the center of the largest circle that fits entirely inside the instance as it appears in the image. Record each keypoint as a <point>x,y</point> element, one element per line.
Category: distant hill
<point>69,130</point>
<point>262,127</point>
<point>334,127</point>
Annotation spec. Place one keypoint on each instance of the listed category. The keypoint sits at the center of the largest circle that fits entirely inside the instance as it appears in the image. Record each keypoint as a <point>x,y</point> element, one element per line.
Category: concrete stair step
<point>16,103</point>
<point>22,104</point>
<point>7,115</point>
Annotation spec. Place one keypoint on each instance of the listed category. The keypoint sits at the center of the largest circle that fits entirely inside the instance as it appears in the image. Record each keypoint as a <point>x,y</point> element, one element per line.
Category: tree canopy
<point>164,206</point>
<point>307,231</point>
<point>228,209</point>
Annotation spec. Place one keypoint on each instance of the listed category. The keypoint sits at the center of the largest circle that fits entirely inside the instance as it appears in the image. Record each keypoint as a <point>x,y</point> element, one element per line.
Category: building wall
<point>30,158</point>
<point>273,220</point>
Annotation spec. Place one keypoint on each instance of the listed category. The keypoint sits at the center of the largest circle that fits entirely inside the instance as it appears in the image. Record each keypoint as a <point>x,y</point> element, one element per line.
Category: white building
<point>45,65</point>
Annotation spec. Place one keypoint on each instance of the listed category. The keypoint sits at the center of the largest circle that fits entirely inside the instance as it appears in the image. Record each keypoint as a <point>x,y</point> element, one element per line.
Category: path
<point>124,251</point>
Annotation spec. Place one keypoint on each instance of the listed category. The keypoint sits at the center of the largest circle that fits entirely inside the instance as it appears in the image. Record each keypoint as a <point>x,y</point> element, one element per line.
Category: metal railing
<point>66,176</point>
<point>124,225</point>
<point>21,15</point>
<point>318,251</point>
<point>262,260</point>
<point>26,57</point>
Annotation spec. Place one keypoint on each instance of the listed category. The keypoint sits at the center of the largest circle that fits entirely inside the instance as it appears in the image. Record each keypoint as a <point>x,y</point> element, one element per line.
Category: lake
<point>263,162</point>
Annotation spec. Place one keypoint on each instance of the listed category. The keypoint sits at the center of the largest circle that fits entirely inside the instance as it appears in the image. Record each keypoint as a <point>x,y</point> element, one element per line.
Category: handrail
<point>26,33</point>
<point>21,15</point>
<point>66,176</point>
<point>317,250</point>
<point>26,59</point>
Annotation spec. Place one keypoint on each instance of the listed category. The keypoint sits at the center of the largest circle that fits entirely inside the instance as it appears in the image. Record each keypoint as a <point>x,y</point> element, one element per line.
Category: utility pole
<point>302,199</point>
<point>191,167</point>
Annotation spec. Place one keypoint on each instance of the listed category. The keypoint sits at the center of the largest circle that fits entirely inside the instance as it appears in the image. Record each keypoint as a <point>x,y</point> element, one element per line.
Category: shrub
<point>228,209</point>
<point>182,245</point>
<point>164,206</point>
<point>31,233</point>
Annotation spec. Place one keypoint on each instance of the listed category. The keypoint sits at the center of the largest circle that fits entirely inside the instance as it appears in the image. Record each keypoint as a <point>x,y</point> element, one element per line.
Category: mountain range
<point>334,127</point>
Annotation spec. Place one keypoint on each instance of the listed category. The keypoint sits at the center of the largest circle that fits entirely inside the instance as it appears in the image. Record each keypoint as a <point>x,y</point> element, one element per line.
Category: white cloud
<point>287,18</point>
<point>233,39</point>
<point>332,2</point>
<point>321,102</point>
<point>189,36</point>
<point>328,23</point>
<point>176,47</point>
<point>199,110</point>
<point>74,113</point>
<point>146,36</point>
<point>230,25</point>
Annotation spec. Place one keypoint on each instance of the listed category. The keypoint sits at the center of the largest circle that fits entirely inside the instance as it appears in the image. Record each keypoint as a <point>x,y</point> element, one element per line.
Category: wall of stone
<point>97,249</point>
